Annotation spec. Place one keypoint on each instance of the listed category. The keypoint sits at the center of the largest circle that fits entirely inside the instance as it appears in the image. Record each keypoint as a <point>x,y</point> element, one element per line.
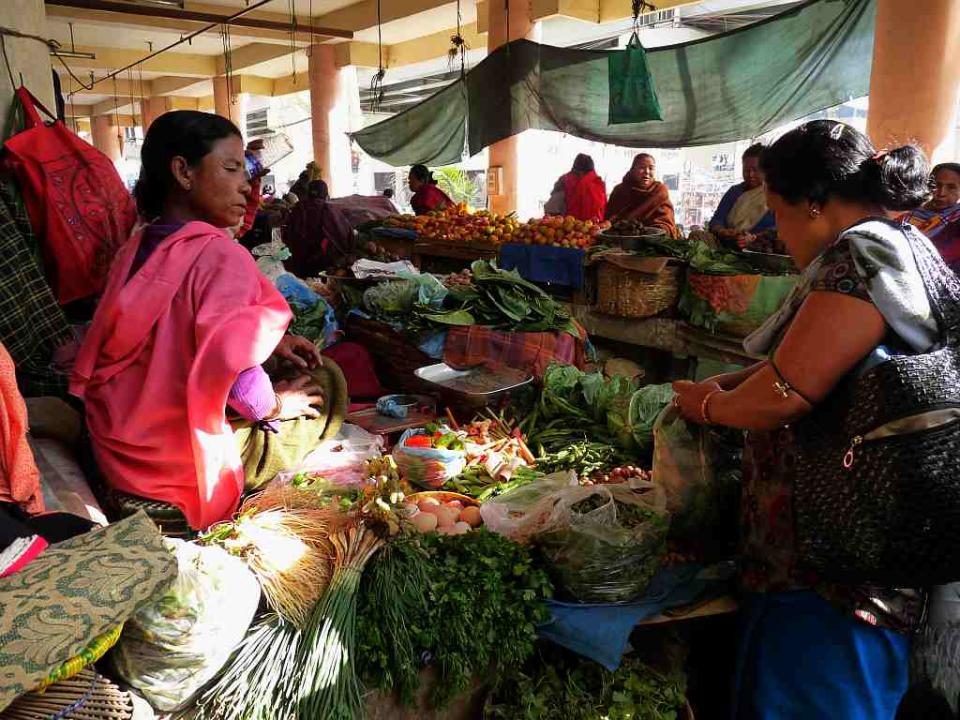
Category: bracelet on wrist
<point>278,409</point>
<point>705,407</point>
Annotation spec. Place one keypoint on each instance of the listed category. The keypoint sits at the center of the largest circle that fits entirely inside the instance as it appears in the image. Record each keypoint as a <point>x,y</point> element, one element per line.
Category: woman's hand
<point>689,399</point>
<point>297,398</point>
<point>299,352</point>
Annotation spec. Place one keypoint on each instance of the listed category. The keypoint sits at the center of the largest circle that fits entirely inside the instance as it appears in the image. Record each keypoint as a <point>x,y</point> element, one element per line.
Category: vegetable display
<point>568,687</point>
<point>470,603</point>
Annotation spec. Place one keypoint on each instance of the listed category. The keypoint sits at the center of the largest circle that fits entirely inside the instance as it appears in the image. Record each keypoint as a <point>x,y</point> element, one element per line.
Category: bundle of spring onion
<point>260,682</point>
<point>283,535</point>
<point>326,663</point>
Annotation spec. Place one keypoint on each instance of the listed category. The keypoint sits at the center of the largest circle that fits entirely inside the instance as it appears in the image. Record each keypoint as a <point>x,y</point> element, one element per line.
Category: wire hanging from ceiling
<point>228,63</point>
<point>133,106</point>
<point>458,46</point>
<point>376,82</point>
<point>293,39</point>
<point>116,115</point>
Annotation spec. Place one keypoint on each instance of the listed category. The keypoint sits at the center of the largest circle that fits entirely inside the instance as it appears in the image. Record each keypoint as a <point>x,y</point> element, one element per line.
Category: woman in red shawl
<point>584,192</point>
<point>427,197</point>
<point>641,197</point>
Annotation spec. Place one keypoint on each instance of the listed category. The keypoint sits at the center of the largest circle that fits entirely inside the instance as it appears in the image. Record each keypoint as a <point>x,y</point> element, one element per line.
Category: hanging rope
<point>293,39</point>
<point>458,46</point>
<point>376,82</point>
<point>312,32</point>
<point>116,114</point>
<point>228,62</point>
<point>637,7</point>
<point>133,106</point>
<point>143,99</point>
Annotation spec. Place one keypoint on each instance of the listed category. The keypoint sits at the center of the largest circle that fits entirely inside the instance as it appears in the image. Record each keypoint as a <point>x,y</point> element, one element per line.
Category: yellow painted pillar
<point>152,108</point>
<point>505,154</point>
<point>106,136</point>
<point>331,89</point>
<point>227,103</point>
<point>915,80</point>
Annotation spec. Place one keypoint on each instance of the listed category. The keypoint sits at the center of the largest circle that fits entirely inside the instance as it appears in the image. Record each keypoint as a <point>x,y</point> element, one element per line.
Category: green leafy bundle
<point>309,322</point>
<point>717,261</point>
<point>575,689</point>
<point>484,599</point>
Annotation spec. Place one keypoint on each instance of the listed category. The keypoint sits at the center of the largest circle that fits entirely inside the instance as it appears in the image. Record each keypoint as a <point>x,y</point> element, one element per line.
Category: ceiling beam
<point>250,55</point>
<point>109,107</point>
<point>363,15</point>
<point>595,11</point>
<point>168,63</point>
<point>194,17</point>
<point>428,47</point>
<point>172,85</point>
<point>125,88</point>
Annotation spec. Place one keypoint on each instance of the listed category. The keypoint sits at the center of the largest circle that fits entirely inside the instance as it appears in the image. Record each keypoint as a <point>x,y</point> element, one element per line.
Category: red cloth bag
<point>78,205</point>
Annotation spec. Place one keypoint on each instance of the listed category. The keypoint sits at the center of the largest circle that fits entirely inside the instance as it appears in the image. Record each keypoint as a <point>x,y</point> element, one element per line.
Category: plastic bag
<point>633,96</point>
<point>601,550</point>
<point>684,465</point>
<point>427,467</point>
<point>176,643</point>
<point>314,318</point>
<point>340,459</point>
<point>270,256</point>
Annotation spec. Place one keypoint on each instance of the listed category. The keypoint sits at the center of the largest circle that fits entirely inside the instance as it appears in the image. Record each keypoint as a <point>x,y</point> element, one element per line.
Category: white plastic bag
<point>340,459</point>
<point>177,642</point>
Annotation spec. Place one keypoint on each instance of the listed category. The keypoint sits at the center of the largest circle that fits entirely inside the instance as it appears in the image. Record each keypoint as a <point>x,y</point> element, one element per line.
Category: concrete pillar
<point>915,80</point>
<point>230,105</point>
<point>106,136</point>
<point>27,57</point>
<point>505,154</point>
<point>152,108</point>
<point>331,93</point>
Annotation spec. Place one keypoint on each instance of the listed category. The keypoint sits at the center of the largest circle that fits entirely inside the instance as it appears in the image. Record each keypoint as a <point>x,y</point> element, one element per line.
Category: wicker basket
<point>631,293</point>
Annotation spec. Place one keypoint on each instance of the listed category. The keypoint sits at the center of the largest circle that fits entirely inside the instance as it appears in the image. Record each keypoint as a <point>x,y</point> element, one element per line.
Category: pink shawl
<point>158,362</point>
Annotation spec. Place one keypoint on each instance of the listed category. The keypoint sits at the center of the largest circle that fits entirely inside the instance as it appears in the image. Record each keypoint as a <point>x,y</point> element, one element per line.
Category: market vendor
<point>181,334</point>
<point>640,196</point>
<point>427,197</point>
<point>813,648</point>
<point>581,193</point>
<point>318,237</point>
<point>742,213</point>
<point>939,219</point>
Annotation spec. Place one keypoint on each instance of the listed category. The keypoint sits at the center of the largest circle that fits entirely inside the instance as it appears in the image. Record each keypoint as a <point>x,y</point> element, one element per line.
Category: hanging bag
<point>78,205</point>
<point>877,489</point>
<point>633,96</point>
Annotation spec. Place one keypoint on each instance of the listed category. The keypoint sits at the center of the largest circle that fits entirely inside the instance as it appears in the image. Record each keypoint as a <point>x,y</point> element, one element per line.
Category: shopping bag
<point>78,205</point>
<point>633,96</point>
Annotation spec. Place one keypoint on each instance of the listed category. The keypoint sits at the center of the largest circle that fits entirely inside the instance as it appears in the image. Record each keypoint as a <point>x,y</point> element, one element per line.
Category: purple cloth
<point>252,393</point>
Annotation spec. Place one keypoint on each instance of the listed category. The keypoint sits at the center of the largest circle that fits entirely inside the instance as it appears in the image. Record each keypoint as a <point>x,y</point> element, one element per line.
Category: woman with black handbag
<point>833,554</point>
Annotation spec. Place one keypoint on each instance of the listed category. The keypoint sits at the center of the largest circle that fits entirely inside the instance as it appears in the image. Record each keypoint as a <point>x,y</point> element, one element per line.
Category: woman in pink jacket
<point>178,405</point>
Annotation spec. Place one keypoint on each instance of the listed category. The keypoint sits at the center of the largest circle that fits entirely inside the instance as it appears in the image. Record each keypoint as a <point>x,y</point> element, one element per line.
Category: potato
<point>471,516</point>
<point>425,522</point>
<point>460,528</point>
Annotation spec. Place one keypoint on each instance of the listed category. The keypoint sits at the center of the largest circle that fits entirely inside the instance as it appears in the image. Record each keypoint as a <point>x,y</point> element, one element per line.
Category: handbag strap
<point>30,104</point>
<point>941,283</point>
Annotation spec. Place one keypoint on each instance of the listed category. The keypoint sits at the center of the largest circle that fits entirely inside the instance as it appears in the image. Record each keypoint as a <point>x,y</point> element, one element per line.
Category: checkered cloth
<point>32,325</point>
<point>534,352</point>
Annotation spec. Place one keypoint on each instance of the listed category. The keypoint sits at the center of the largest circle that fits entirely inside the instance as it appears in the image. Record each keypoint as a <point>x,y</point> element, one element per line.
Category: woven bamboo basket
<point>631,294</point>
<point>87,696</point>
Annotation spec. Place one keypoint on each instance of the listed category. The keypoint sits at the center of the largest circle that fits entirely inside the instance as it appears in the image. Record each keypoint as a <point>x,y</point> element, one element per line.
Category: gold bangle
<point>275,415</point>
<point>705,407</point>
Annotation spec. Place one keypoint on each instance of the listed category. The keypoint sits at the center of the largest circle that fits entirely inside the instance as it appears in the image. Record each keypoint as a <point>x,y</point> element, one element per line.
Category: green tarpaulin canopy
<point>727,87</point>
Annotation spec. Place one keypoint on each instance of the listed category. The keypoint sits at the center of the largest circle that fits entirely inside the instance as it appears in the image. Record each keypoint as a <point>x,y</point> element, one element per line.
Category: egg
<point>471,516</point>
<point>410,509</point>
<point>429,505</point>
<point>447,516</point>
<point>454,504</point>
<point>460,528</point>
<point>425,522</point>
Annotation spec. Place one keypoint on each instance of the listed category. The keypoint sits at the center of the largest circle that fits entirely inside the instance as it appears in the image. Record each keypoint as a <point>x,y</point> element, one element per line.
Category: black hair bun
<point>898,179</point>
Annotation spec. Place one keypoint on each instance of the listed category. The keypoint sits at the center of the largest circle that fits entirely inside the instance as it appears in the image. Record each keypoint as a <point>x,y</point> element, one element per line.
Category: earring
<point>814,212</point>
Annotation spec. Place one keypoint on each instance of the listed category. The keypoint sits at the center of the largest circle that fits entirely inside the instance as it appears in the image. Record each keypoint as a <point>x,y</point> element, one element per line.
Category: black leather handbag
<point>877,489</point>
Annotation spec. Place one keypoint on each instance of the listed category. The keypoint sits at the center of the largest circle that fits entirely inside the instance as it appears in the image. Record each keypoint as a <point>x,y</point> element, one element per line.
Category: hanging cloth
<point>78,205</point>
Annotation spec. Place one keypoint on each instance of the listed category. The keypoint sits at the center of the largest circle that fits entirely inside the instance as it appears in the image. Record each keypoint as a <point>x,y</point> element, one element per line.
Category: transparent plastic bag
<point>522,513</point>
<point>684,465</point>
<point>427,467</point>
<point>177,642</point>
<point>611,545</point>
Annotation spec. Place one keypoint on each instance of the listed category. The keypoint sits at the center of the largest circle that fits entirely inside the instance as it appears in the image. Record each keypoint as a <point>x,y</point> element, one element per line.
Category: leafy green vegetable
<point>710,261</point>
<point>310,322</point>
<point>392,600</point>
<point>564,686</point>
<point>391,297</point>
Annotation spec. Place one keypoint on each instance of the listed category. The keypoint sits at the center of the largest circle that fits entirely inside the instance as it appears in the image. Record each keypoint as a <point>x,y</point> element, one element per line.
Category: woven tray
<point>94,698</point>
<point>168,518</point>
<point>629,293</point>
